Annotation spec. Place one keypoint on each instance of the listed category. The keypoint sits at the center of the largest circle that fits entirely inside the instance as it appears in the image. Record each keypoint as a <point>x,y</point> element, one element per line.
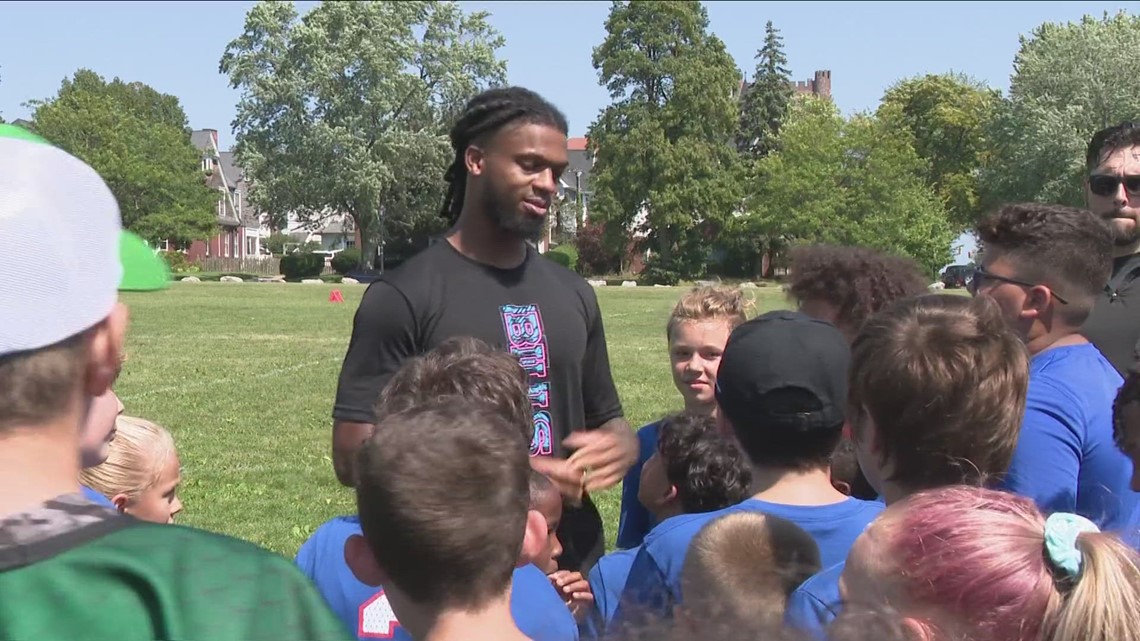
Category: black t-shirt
<point>1114,325</point>
<point>542,312</point>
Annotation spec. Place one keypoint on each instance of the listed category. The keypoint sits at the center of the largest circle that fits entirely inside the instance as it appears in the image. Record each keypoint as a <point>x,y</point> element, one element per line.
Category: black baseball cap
<point>784,370</point>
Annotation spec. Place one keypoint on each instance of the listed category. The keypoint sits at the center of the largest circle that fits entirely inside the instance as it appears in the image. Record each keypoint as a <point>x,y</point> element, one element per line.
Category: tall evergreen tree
<point>766,98</point>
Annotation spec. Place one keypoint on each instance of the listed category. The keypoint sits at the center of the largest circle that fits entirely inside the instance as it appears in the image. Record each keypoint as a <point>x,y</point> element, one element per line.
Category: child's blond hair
<point>742,567</point>
<point>710,302</point>
<point>139,453</point>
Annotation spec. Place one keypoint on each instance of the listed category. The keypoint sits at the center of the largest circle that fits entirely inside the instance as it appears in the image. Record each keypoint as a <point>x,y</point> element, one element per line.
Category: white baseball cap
<point>63,253</point>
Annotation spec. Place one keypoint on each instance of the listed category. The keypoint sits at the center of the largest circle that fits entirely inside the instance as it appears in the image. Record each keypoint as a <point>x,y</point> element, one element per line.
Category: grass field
<point>244,375</point>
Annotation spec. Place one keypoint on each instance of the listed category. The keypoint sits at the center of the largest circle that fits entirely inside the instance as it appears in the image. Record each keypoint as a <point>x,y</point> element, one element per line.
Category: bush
<point>565,255</point>
<point>276,243</point>
<point>177,261</point>
<point>346,261</point>
<point>659,272</point>
<point>306,265</point>
<point>593,255</point>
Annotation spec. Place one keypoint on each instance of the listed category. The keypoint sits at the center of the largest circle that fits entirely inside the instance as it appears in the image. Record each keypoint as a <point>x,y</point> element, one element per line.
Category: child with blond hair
<point>142,472</point>
<point>696,332</point>
<point>971,563</point>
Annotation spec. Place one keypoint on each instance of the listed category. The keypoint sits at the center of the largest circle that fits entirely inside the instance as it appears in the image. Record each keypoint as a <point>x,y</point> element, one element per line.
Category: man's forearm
<point>619,425</point>
<point>347,437</point>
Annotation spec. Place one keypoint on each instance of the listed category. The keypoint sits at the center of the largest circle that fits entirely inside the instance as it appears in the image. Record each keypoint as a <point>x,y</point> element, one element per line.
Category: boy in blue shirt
<point>938,388</point>
<point>693,469</point>
<point>1045,265</point>
<point>444,519</point>
<point>781,391</point>
<point>696,333</point>
<point>458,369</point>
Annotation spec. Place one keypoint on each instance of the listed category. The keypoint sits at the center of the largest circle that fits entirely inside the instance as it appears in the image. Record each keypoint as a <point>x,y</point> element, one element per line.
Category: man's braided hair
<point>485,114</point>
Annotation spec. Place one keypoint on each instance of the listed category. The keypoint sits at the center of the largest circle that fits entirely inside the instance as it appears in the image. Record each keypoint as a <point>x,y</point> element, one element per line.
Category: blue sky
<point>175,46</point>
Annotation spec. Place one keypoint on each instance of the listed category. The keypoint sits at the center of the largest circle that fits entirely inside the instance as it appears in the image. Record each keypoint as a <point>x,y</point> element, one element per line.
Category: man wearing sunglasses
<point>1045,266</point>
<point>1112,191</point>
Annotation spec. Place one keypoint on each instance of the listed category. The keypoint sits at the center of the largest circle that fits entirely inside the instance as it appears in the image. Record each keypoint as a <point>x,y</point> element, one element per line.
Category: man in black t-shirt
<point>485,280</point>
<point>1112,191</point>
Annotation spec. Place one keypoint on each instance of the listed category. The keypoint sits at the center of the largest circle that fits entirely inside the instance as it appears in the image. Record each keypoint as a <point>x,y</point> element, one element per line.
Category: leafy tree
<point>347,109</point>
<point>947,115</point>
<point>853,182</point>
<point>1069,81</point>
<point>665,162</point>
<point>138,141</point>
<point>766,99</point>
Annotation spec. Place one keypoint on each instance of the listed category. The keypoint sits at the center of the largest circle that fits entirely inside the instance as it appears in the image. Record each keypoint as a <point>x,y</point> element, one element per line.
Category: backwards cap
<point>63,253</point>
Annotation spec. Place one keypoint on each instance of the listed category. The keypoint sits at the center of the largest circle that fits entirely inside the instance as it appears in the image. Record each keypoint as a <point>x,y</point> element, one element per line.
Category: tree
<point>665,162</point>
<point>347,109</point>
<point>851,182</point>
<point>765,101</point>
<point>138,141</point>
<point>947,115</point>
<point>1069,81</point>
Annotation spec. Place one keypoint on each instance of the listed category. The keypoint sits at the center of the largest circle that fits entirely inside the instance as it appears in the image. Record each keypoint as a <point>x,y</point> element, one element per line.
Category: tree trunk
<point>368,231</point>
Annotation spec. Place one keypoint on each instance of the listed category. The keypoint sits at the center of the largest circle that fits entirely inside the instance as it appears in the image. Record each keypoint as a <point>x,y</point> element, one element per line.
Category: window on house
<point>236,244</point>
<point>225,240</point>
<point>207,248</point>
<point>250,250</point>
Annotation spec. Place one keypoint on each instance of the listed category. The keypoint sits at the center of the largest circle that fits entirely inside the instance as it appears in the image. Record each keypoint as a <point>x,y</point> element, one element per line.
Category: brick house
<point>241,231</point>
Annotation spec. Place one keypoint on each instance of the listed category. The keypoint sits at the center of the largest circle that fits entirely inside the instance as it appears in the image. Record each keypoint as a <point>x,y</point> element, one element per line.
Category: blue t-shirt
<point>654,583</point>
<point>538,610</point>
<point>1066,459</point>
<point>95,497</point>
<point>635,521</point>
<point>816,603</point>
<point>607,580</point>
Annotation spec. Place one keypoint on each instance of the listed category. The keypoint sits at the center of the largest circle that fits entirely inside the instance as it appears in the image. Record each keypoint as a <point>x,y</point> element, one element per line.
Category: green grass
<point>244,376</point>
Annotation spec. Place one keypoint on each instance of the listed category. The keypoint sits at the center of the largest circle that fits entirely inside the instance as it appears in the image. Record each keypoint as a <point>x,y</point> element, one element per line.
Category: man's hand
<point>575,592</point>
<point>603,455</point>
<point>566,477</point>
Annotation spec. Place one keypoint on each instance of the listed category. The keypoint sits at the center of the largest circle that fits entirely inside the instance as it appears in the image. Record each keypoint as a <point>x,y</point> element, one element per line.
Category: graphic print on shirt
<point>377,619</point>
<point>526,339</point>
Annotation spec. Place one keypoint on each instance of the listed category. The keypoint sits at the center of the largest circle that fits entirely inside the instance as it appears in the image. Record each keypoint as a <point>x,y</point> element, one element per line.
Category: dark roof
<point>579,162</point>
<point>201,139</point>
<point>232,172</point>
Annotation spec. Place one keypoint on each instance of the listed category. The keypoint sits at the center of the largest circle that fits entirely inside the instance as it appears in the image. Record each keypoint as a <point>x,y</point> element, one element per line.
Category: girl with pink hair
<point>969,563</point>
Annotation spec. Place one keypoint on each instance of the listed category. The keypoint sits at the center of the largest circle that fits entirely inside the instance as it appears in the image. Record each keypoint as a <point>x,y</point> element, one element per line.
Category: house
<point>333,232</point>
<point>241,231</point>
<point>574,185</point>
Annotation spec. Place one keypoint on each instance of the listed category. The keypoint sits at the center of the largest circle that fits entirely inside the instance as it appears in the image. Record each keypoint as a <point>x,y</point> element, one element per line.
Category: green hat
<point>143,269</point>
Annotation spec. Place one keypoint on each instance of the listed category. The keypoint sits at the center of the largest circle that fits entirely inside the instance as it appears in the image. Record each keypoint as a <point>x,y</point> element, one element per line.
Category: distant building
<point>240,227</point>
<point>819,85</point>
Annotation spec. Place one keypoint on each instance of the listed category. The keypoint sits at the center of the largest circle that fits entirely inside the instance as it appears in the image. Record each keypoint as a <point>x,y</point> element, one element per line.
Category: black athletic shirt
<point>1114,325</point>
<point>542,312</point>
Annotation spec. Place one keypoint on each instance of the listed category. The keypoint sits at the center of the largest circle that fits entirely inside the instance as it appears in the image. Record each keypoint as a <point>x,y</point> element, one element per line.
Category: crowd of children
<point>878,463</point>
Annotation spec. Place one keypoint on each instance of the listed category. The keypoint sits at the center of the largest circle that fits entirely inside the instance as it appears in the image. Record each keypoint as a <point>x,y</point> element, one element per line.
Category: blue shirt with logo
<point>538,610</point>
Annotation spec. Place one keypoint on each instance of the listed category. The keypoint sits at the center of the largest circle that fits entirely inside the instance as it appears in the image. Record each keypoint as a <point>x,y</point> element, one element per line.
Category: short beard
<point>1121,238</point>
<point>512,221</point>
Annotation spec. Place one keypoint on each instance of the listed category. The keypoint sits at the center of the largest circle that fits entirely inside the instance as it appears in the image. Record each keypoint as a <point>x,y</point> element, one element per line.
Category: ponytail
<point>1102,603</point>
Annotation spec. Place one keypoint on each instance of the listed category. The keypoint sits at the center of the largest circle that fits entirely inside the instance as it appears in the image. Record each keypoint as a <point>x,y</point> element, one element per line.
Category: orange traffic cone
<point>336,297</point>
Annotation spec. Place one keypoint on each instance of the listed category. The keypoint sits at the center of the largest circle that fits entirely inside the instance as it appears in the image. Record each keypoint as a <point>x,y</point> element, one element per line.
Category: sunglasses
<point>981,275</point>
<point>1107,185</point>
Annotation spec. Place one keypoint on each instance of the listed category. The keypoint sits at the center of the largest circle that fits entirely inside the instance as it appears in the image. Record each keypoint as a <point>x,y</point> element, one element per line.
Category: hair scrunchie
<point>1061,532</point>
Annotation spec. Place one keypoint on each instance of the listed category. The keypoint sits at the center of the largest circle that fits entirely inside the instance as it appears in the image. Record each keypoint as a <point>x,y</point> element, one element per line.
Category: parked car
<point>957,276</point>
